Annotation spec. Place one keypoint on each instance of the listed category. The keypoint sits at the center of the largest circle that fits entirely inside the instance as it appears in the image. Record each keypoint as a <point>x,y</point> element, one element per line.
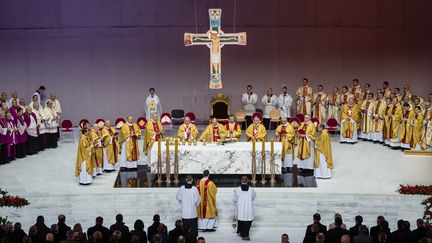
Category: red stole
<point>205,200</point>
<point>156,129</point>
<point>282,132</point>
<point>215,131</point>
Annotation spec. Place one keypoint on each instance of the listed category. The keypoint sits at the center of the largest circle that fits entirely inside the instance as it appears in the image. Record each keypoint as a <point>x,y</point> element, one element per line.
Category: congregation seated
<point>158,232</point>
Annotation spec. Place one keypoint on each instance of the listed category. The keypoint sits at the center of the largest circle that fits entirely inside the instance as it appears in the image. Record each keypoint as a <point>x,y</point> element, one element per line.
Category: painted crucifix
<point>215,39</point>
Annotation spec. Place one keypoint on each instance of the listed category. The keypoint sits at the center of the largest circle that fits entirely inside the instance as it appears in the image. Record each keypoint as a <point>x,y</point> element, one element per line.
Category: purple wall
<point>101,56</point>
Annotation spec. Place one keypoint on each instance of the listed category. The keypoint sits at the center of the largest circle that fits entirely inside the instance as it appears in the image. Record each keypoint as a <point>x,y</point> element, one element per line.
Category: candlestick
<point>253,146</point>
<point>272,146</point>
<point>159,146</point>
<point>263,146</point>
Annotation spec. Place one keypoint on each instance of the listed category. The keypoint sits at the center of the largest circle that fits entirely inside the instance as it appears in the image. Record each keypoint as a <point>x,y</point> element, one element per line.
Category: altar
<point>229,158</point>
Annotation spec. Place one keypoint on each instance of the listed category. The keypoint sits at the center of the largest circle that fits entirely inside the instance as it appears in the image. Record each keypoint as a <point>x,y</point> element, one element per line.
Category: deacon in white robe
<point>269,102</point>
<point>285,103</point>
<point>152,104</point>
<point>189,198</point>
<point>243,198</point>
<point>249,100</point>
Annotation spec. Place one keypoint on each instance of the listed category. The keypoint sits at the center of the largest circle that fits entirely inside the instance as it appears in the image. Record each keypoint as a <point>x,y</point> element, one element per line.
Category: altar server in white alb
<point>249,100</point>
<point>285,103</point>
<point>269,102</point>
<point>189,198</point>
<point>243,198</point>
<point>152,104</point>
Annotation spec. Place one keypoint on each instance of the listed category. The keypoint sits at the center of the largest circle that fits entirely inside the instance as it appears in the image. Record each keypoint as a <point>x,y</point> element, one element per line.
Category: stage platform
<point>365,179</point>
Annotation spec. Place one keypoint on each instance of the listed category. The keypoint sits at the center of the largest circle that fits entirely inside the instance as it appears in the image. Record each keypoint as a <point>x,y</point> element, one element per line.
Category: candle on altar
<point>283,148</point>
<point>159,146</point>
<point>272,146</point>
<point>176,146</point>
<point>167,145</point>
<point>263,146</point>
<point>253,146</point>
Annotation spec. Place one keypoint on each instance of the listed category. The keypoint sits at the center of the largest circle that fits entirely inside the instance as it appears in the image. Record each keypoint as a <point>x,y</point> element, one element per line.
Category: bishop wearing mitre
<point>129,134</point>
<point>214,132</point>
<point>187,131</point>
<point>256,131</point>
<point>154,132</point>
<point>233,129</point>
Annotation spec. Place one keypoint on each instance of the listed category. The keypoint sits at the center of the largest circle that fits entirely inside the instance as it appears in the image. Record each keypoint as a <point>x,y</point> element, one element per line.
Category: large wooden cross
<point>215,39</point>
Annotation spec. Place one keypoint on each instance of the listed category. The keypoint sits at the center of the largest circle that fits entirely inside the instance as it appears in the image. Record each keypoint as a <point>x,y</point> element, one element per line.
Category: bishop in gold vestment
<point>84,167</point>
<point>129,134</point>
<point>207,211</point>
<point>110,146</point>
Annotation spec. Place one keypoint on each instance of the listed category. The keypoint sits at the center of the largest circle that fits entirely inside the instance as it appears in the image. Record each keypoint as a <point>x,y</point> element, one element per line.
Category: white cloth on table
<point>323,171</point>
<point>244,203</point>
<point>189,198</point>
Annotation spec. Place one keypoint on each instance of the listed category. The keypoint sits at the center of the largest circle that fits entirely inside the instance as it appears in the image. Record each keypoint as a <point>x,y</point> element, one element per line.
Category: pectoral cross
<point>215,39</point>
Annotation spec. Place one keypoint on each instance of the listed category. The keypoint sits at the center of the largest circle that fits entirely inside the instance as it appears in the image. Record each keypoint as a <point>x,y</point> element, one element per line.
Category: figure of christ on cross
<point>215,39</point>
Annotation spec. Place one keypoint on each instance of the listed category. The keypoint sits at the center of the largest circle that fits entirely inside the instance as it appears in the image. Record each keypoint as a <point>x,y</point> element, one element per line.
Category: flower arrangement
<point>7,200</point>
<point>415,190</point>
<point>427,216</point>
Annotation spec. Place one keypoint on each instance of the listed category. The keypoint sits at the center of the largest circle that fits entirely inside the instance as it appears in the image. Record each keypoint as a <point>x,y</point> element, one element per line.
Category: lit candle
<point>159,146</point>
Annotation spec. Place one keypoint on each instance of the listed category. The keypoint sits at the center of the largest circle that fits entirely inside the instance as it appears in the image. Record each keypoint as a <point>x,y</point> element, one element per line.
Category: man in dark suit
<point>421,230</point>
<point>334,235</point>
<point>375,230</point>
<point>99,227</point>
<point>362,236</point>
<point>177,231</point>
<point>354,231</point>
<point>42,229</point>
<point>402,234</point>
<point>316,220</point>
<point>120,226</point>
<point>152,229</point>
<point>62,228</point>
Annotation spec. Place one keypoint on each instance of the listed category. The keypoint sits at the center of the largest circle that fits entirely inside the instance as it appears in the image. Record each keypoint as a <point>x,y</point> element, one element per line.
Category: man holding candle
<point>129,134</point>
<point>154,132</point>
<point>187,131</point>
<point>214,131</point>
<point>256,131</point>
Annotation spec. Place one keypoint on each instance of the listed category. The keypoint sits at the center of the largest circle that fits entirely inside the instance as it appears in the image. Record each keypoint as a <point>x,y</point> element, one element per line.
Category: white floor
<point>365,180</point>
